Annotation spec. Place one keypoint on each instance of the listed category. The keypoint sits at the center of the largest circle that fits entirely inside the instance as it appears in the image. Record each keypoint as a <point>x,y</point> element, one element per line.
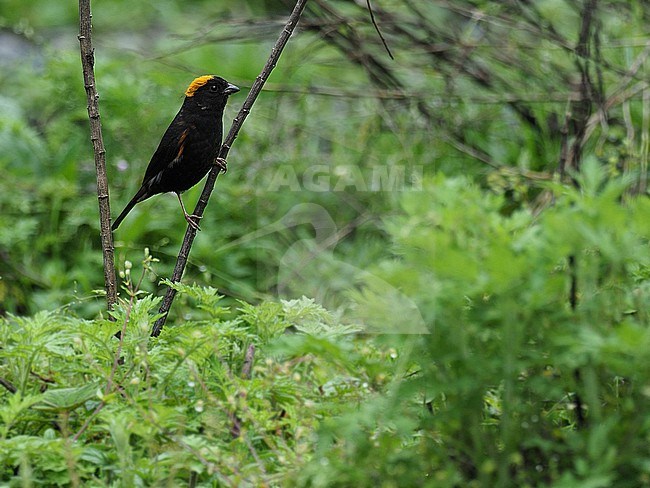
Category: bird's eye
<point>213,88</point>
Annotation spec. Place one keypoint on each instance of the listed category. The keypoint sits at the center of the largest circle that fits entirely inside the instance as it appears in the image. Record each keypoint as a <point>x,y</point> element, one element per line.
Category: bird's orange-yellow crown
<point>196,84</point>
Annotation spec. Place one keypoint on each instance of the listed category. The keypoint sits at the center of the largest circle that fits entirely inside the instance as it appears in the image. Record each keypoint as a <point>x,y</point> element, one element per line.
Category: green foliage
<point>49,225</point>
<point>165,411</point>
<point>489,396</point>
<point>411,317</point>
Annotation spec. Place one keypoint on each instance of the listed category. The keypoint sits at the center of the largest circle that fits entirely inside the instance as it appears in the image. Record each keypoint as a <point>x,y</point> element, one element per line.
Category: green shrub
<point>489,396</point>
<point>91,410</point>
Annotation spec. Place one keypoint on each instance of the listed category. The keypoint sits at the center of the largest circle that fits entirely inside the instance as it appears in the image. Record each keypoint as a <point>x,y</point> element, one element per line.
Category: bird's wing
<point>170,150</point>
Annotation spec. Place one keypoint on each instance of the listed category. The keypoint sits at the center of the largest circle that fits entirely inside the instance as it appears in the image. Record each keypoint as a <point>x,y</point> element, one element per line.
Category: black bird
<point>190,145</point>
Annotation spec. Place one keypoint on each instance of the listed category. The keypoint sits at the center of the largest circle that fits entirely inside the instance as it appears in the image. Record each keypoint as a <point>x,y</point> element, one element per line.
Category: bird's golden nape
<point>198,83</point>
<point>190,145</point>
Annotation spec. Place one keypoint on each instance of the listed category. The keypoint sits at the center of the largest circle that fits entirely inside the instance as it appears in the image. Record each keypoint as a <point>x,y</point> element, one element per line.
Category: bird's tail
<point>139,196</point>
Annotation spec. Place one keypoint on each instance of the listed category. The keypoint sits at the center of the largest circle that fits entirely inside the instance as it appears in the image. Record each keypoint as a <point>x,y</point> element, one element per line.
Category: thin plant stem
<point>190,233</point>
<point>88,64</point>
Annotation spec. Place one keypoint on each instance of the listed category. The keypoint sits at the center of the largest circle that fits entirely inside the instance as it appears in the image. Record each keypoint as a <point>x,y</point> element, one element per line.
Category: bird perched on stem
<point>190,145</point>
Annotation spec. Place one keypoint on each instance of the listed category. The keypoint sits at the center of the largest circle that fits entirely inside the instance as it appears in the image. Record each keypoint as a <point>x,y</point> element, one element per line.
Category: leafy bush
<point>466,340</point>
<point>510,386</point>
<point>90,409</point>
<point>490,396</point>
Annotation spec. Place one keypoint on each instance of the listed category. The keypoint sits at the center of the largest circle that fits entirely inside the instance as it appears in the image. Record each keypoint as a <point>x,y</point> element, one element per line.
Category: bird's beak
<point>230,89</point>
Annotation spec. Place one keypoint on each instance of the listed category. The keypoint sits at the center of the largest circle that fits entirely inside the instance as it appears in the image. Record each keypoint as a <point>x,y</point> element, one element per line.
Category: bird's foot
<point>193,220</point>
<point>222,164</point>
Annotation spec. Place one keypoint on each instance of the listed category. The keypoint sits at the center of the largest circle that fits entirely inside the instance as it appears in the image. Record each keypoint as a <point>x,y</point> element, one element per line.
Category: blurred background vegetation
<point>145,59</point>
<point>486,186</point>
<point>485,89</point>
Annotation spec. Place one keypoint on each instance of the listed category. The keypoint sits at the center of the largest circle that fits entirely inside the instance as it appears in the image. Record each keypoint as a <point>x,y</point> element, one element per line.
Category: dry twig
<point>88,64</point>
<point>381,36</point>
<point>190,233</point>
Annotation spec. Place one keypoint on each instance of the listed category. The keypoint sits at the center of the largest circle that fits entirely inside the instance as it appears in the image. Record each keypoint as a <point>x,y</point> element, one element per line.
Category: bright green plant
<point>88,408</point>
